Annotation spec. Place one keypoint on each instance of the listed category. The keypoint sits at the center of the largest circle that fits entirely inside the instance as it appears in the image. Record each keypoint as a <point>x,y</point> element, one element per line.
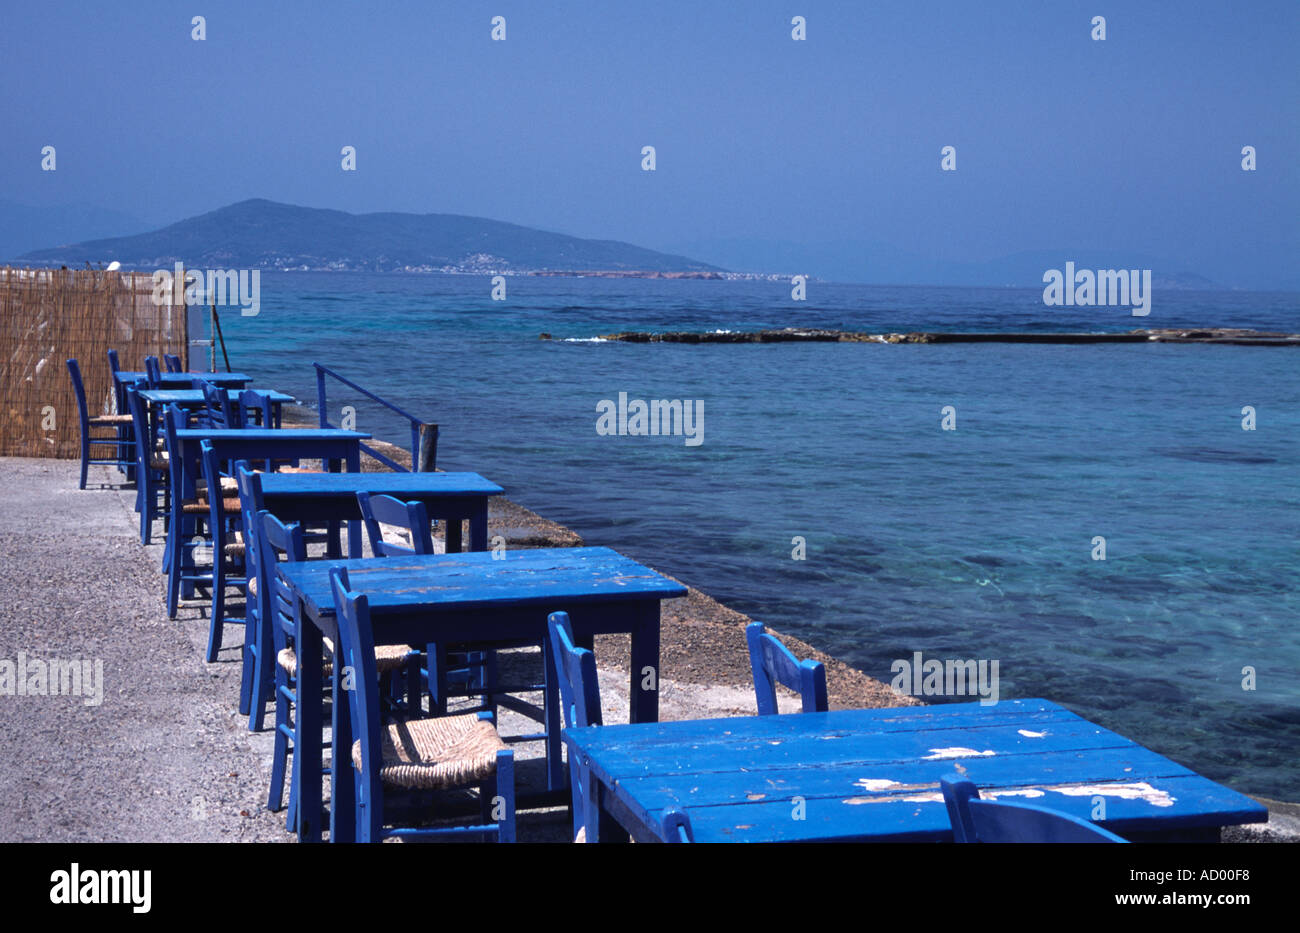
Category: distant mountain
<point>260,234</point>
<point>24,228</point>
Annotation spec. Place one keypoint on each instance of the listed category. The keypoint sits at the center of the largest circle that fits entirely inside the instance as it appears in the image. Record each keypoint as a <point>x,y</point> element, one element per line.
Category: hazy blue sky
<point>764,144</point>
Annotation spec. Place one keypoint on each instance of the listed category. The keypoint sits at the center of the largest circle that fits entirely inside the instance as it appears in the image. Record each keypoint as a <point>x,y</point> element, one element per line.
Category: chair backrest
<point>74,370</point>
<point>356,651</point>
<point>258,400</point>
<point>677,826</point>
<point>279,539</point>
<point>250,504</point>
<point>386,510</point>
<point>250,492</point>
<point>222,413</point>
<point>976,820</point>
<point>216,499</point>
<point>173,362</point>
<point>579,688</point>
<point>140,421</point>
<point>773,664</point>
<point>174,419</point>
<point>113,365</point>
<point>152,371</point>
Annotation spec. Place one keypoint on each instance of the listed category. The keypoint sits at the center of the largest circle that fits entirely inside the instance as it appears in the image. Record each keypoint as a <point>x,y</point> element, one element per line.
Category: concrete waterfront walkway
<point>160,753</point>
<point>163,757</point>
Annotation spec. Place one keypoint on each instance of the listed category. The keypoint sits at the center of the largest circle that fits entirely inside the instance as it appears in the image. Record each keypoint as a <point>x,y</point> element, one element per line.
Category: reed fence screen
<point>50,315</point>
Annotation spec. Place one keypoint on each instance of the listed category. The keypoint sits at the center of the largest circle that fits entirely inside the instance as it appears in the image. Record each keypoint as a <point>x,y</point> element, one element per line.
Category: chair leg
<point>144,505</point>
<point>263,675</point>
<point>217,623</point>
<point>247,670</point>
<point>413,685</point>
<point>437,667</point>
<point>291,823</point>
<point>504,788</point>
<point>280,754</point>
<point>173,565</point>
<point>85,460</point>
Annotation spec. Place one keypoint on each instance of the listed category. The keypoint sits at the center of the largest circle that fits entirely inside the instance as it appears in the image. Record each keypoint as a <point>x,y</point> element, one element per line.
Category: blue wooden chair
<point>221,411</point>
<point>114,367</point>
<point>677,826</point>
<point>580,703</point>
<point>280,541</point>
<point>258,675</point>
<point>432,754</point>
<point>773,664</point>
<point>124,445</point>
<point>152,372</point>
<point>276,540</point>
<point>151,467</point>
<point>464,673</point>
<point>173,362</point>
<point>256,402</point>
<point>976,820</point>
<point>178,582</point>
<point>228,546</point>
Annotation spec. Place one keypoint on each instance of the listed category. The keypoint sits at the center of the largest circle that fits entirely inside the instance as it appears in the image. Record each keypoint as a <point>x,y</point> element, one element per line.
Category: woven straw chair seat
<point>228,485</point>
<point>159,463</point>
<point>445,751</point>
<point>100,420</point>
<point>199,506</point>
<point>252,586</point>
<point>294,469</point>
<point>388,658</point>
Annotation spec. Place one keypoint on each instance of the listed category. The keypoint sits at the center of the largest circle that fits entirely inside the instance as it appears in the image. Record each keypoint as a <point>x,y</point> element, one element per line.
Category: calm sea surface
<point>975,543</point>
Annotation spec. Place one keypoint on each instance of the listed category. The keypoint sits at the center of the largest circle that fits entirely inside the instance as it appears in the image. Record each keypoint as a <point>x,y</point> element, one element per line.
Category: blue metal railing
<point>424,434</point>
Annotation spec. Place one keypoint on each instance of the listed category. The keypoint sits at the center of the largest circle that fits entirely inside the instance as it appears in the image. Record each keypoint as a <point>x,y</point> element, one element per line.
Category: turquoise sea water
<point>975,543</point>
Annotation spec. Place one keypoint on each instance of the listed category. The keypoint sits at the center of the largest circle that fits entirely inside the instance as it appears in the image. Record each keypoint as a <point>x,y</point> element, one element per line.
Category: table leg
<point>354,527</point>
<point>551,713</point>
<point>478,527</point>
<point>591,821</point>
<point>334,529</point>
<point>454,543</point>
<point>309,737</point>
<point>644,688</point>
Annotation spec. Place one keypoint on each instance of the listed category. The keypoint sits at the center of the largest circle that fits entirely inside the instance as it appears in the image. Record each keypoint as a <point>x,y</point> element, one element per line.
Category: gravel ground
<point>165,757</point>
<point>162,758</point>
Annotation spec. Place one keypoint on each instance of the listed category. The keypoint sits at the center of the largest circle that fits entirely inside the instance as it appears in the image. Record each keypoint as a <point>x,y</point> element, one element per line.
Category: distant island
<point>261,234</point>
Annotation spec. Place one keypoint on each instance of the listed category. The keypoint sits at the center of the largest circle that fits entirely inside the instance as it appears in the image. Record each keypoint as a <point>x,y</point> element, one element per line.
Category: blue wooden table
<point>191,399</point>
<point>873,775</point>
<point>480,597</point>
<point>450,497</point>
<point>168,380</point>
<point>332,446</point>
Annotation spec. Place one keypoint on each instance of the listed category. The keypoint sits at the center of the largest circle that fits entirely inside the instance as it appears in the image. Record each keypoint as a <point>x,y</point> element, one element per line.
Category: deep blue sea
<point>973,543</point>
